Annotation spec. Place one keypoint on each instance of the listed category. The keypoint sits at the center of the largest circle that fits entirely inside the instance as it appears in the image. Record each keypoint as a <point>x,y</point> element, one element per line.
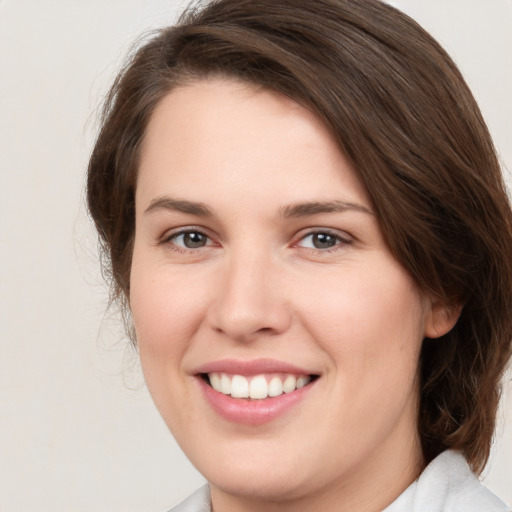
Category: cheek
<point>166,314</point>
<point>369,322</point>
<point>166,311</point>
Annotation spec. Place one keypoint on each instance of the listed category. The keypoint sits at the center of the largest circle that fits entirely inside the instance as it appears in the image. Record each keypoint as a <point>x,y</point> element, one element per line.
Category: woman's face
<point>259,268</point>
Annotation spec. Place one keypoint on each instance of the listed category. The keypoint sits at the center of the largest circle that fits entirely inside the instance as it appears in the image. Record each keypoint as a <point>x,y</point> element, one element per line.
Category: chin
<point>274,478</point>
<point>265,485</point>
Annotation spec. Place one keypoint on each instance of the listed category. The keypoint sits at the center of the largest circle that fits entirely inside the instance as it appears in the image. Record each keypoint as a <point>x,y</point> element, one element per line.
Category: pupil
<point>323,240</point>
<point>193,240</point>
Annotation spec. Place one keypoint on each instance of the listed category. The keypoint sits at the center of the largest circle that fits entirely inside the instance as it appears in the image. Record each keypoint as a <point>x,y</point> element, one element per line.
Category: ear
<point>441,317</point>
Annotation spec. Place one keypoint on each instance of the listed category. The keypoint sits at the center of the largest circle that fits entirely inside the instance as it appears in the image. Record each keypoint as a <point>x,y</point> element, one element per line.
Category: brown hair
<point>407,121</point>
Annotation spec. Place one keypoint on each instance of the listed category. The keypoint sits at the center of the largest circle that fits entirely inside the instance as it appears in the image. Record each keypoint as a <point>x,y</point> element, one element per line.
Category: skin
<point>261,288</point>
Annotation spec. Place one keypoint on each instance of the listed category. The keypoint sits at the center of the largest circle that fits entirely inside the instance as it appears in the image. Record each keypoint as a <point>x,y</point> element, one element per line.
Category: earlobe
<point>441,318</point>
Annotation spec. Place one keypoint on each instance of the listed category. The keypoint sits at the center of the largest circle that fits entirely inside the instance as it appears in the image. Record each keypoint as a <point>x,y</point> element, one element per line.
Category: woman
<point>305,218</point>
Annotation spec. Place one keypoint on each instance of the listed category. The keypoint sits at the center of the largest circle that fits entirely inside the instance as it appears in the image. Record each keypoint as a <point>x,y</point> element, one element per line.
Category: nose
<point>250,300</point>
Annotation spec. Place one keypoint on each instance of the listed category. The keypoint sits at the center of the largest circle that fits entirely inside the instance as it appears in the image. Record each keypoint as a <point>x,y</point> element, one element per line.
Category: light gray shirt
<point>446,485</point>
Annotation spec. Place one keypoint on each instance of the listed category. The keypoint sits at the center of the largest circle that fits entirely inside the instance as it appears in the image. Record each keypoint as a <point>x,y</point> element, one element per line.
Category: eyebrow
<point>308,209</point>
<point>294,210</point>
<point>179,205</point>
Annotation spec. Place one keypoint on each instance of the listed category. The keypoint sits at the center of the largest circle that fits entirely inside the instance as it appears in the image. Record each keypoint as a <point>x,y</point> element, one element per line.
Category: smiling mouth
<point>256,387</point>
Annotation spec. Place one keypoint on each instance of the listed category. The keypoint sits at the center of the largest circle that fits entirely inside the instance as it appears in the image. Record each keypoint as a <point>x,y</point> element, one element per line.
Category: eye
<point>322,240</point>
<point>189,239</point>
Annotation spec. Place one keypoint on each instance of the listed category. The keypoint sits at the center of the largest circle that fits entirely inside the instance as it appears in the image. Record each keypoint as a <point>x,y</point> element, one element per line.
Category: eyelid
<point>169,235</point>
<point>343,238</point>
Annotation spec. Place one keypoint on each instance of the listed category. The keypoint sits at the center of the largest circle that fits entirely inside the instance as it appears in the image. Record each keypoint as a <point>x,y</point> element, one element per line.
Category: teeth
<point>302,381</point>
<point>215,381</point>
<point>239,387</point>
<point>275,387</point>
<point>289,384</point>
<point>257,387</point>
<point>225,384</point>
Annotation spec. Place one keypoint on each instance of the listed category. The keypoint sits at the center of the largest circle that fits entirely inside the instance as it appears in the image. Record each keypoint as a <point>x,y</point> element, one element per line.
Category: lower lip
<point>252,412</point>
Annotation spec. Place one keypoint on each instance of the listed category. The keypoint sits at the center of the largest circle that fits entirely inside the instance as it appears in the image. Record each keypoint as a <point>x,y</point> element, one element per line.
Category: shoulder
<point>447,485</point>
<point>199,501</point>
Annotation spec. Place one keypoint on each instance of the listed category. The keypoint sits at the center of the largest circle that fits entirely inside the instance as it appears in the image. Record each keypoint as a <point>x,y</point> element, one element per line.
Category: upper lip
<point>251,367</point>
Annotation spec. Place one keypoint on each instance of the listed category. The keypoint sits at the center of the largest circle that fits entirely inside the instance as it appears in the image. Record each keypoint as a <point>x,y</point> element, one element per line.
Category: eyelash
<point>340,241</point>
<point>170,240</point>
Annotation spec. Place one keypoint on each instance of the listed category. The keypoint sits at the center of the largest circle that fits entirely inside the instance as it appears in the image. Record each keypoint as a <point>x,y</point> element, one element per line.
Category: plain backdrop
<point>78,431</point>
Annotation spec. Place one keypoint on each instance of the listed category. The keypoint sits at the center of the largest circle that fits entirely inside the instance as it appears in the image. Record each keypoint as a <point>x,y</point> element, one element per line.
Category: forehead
<point>214,104</point>
<point>221,136</point>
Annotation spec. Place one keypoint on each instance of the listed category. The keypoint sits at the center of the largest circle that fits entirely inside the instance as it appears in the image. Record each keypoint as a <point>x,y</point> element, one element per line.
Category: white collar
<point>447,484</point>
